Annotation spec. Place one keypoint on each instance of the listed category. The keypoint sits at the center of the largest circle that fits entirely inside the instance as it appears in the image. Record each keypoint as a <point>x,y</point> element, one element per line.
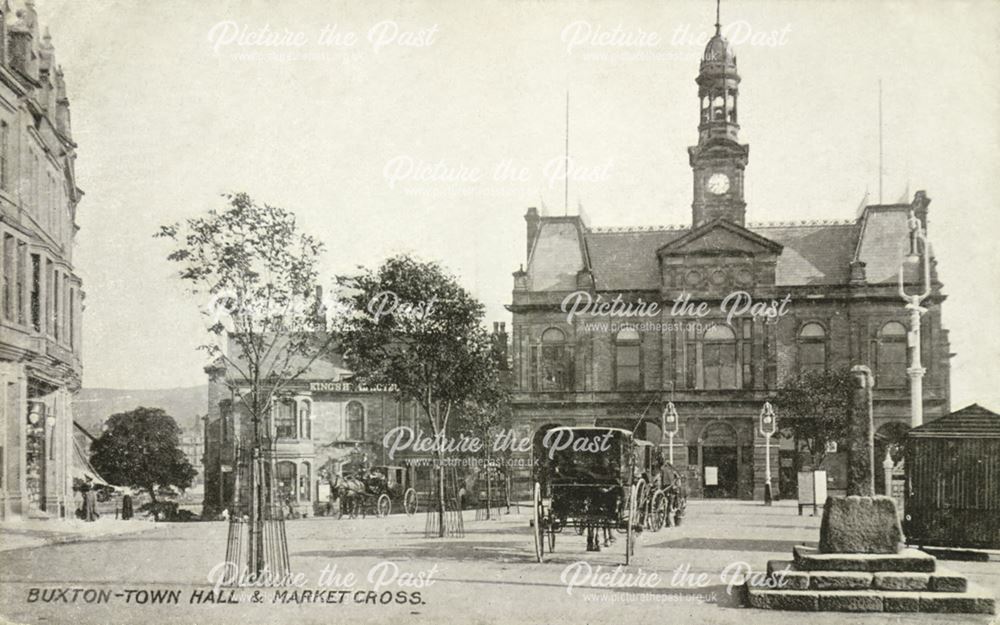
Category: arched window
<point>305,491</point>
<point>812,348</point>
<point>719,358</point>
<point>553,362</point>
<point>891,365</point>
<point>284,419</point>
<point>305,419</point>
<point>628,375</point>
<point>355,421</point>
<point>285,475</point>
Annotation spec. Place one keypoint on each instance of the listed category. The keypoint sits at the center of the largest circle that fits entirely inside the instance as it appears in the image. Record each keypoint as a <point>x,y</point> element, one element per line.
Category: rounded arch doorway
<point>719,460</point>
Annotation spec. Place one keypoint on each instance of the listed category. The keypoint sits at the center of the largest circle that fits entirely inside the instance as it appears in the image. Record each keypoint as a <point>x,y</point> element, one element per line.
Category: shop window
<point>285,476</point>
<point>36,292</point>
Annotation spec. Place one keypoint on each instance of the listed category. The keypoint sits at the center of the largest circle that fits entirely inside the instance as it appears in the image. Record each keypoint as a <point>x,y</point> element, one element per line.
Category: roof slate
<point>814,253</point>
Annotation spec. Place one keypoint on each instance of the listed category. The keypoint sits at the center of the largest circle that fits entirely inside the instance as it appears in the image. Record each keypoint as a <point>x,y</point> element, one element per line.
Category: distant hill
<point>92,406</point>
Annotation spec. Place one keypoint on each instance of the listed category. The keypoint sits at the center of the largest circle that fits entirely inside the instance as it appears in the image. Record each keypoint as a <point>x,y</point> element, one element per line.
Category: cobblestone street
<point>487,576</point>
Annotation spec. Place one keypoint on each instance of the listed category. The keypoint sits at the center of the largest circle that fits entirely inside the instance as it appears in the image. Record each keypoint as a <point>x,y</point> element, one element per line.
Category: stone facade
<point>715,315</point>
<point>41,297</point>
<point>320,423</point>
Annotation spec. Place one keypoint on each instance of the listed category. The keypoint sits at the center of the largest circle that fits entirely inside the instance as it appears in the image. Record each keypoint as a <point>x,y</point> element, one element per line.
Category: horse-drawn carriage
<point>602,480</point>
<point>594,485</point>
<point>375,490</point>
<point>664,486</point>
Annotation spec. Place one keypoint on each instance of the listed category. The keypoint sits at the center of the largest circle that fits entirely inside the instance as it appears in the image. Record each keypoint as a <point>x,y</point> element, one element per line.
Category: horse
<point>350,492</point>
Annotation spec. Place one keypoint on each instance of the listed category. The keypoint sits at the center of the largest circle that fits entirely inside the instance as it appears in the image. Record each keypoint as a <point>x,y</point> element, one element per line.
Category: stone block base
<point>906,560</point>
<point>864,583</point>
<point>972,602</point>
<point>860,525</point>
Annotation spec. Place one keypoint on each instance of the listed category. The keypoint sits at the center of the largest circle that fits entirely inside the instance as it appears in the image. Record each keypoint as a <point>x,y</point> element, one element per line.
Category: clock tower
<point>719,159</point>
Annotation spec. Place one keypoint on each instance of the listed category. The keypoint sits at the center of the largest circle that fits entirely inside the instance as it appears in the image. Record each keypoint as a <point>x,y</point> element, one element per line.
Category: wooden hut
<point>953,481</point>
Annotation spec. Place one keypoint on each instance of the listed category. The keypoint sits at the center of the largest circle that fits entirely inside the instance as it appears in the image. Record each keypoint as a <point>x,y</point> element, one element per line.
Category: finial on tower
<point>718,24</point>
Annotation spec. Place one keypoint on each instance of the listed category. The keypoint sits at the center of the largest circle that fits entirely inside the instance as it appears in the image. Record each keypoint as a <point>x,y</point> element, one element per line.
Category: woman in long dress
<point>89,502</point>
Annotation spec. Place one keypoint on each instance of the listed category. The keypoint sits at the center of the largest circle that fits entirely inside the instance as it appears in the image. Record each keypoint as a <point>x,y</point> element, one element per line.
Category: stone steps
<point>907,560</point>
<point>973,601</point>
<point>793,578</point>
<point>908,581</point>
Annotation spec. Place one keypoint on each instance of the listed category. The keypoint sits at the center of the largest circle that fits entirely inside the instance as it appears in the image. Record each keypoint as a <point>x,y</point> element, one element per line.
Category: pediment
<point>720,237</point>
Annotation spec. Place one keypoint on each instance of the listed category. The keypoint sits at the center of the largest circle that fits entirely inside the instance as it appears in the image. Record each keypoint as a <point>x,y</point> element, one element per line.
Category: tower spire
<point>719,158</point>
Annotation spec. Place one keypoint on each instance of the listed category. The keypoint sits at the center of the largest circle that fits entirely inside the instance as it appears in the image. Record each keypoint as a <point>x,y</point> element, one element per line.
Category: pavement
<point>31,533</point>
<point>386,570</point>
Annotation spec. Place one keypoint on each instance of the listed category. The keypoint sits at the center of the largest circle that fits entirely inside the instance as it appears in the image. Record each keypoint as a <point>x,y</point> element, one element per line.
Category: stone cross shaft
<point>861,436</point>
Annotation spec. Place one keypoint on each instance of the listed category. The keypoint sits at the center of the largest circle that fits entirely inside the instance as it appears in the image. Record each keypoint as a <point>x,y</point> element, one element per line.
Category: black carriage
<point>597,483</point>
<point>398,488</point>
<point>375,490</point>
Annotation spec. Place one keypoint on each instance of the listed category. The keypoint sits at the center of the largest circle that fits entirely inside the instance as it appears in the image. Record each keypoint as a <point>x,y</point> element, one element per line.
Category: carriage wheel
<point>659,512</point>
<point>642,502</point>
<point>537,526</point>
<point>630,525</point>
<point>410,502</point>
<point>384,506</point>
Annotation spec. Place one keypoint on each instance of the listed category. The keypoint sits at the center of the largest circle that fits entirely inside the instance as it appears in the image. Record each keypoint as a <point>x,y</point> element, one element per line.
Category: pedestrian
<point>89,501</point>
<point>127,507</point>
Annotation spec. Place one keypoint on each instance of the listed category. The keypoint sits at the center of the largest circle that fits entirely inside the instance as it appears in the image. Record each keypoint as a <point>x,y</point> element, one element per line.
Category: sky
<point>430,127</point>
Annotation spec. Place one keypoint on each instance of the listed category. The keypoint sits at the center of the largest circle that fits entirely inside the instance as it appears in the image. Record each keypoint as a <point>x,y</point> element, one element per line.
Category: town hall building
<point>829,299</point>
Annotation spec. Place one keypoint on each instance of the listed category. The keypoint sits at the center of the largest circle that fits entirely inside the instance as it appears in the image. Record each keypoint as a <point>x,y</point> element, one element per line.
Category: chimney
<point>319,306</point>
<point>858,272</point>
<point>46,70</point>
<point>531,217</point>
<point>520,279</point>
<point>62,117</point>
<point>20,45</point>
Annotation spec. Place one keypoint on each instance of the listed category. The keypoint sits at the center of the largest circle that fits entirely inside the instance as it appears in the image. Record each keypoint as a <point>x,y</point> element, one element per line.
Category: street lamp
<point>768,426</point>
<point>919,252</point>
<point>670,426</point>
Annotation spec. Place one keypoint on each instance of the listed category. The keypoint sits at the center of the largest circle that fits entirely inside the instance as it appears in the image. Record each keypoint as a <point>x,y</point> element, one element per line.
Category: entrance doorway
<point>720,461</point>
<point>721,468</point>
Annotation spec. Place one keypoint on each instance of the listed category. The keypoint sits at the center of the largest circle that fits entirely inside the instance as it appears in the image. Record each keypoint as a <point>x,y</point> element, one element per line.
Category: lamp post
<point>919,252</point>
<point>670,426</point>
<point>768,426</point>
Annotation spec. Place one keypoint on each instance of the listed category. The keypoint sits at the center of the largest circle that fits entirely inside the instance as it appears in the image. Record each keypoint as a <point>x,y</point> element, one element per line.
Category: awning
<point>82,469</point>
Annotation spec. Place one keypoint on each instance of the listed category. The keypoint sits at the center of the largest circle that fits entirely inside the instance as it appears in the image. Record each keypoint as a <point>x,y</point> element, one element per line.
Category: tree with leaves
<point>410,326</point>
<point>140,449</point>
<point>259,273</point>
<point>815,408</point>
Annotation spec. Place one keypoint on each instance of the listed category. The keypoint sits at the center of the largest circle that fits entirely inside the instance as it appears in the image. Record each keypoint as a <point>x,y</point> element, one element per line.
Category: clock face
<point>718,183</point>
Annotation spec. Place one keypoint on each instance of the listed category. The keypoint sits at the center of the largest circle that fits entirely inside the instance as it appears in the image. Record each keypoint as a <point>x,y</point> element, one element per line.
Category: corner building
<point>843,309</point>
<point>41,297</point>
